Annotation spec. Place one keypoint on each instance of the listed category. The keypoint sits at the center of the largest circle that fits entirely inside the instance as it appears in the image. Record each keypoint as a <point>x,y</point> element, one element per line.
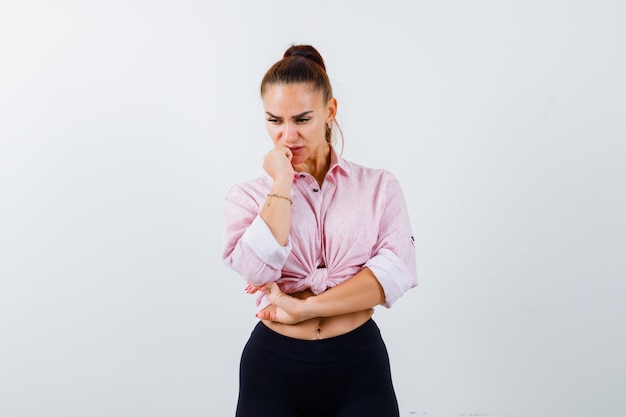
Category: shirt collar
<point>337,166</point>
<point>337,163</point>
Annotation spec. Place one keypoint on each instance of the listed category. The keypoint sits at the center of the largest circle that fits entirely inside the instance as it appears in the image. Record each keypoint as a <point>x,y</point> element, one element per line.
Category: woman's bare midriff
<point>320,327</point>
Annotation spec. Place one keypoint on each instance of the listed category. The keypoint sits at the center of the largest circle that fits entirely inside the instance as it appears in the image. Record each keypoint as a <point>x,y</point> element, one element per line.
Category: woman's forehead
<point>295,96</point>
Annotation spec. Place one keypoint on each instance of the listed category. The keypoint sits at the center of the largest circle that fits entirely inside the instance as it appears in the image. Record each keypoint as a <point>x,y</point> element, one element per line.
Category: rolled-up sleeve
<point>249,245</point>
<point>393,261</point>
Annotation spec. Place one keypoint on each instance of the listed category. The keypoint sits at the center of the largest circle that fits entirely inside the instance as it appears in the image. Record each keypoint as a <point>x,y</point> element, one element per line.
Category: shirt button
<point>315,190</point>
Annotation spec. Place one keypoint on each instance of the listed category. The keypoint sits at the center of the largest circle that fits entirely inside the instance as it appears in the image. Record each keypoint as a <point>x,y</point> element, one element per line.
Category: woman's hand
<point>277,164</point>
<point>251,289</point>
<point>285,308</point>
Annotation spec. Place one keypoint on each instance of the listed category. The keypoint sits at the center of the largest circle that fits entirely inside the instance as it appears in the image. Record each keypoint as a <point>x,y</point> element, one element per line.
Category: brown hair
<point>301,64</point>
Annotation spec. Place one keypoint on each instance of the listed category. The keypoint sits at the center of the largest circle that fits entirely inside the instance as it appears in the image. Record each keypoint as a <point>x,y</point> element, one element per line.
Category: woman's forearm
<point>276,211</point>
<point>360,292</point>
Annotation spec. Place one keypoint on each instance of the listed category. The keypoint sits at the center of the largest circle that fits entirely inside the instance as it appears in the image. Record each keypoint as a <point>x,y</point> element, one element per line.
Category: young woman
<point>321,241</point>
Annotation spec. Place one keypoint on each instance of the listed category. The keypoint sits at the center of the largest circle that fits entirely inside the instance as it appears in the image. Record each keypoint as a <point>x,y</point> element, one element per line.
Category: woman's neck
<point>317,166</point>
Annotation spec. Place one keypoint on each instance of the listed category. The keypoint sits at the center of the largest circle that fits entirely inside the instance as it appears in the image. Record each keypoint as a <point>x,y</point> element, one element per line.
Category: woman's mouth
<point>297,150</point>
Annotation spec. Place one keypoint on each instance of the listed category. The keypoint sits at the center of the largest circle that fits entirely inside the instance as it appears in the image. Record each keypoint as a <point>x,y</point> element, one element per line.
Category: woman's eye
<point>272,120</point>
<point>302,120</point>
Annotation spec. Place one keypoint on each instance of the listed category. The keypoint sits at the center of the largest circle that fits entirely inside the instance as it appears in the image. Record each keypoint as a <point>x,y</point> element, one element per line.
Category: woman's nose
<point>290,132</point>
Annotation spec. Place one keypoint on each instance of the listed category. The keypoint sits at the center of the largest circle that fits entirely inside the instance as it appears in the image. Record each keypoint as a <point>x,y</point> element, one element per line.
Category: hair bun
<point>306,51</point>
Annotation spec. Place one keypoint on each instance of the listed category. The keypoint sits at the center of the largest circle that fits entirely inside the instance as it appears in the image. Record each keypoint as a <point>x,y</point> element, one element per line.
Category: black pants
<point>343,376</point>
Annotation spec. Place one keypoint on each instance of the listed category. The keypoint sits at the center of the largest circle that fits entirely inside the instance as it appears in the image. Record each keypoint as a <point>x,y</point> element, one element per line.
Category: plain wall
<point>123,123</point>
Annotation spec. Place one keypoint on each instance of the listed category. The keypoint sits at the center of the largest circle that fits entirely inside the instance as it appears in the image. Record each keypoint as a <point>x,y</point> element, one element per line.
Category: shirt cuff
<point>392,275</point>
<point>260,239</point>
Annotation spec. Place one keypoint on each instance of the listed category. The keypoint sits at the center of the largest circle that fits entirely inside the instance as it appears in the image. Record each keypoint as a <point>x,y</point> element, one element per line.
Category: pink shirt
<point>358,218</point>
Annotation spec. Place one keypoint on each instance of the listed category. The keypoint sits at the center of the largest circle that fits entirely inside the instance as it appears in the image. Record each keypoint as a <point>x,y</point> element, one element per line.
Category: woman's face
<point>296,116</point>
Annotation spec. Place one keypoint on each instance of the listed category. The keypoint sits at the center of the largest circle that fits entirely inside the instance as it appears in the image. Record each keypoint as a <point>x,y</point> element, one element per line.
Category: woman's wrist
<point>309,308</point>
<point>282,187</point>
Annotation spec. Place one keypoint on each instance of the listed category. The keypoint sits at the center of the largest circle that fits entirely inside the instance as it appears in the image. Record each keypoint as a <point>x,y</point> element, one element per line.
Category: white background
<point>123,123</point>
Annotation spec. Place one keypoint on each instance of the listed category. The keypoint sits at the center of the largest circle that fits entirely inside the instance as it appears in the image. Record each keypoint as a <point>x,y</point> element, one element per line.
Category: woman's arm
<point>277,209</point>
<point>256,242</point>
<point>360,292</point>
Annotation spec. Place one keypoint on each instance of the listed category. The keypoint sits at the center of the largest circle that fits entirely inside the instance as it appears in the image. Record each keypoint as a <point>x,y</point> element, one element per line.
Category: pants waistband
<point>322,350</point>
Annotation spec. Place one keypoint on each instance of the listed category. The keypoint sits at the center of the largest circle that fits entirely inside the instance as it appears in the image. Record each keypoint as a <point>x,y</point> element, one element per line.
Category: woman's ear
<point>331,107</point>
